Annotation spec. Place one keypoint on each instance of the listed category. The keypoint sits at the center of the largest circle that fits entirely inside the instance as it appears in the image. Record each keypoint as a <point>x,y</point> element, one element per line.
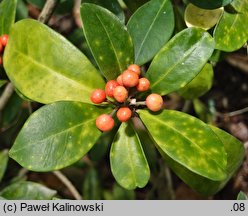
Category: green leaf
<point>180,60</point>
<point>56,136</point>
<point>134,5</point>
<point>200,84</point>
<point>2,83</point>
<point>231,32</point>
<point>7,15</point>
<point>108,40</point>
<point>112,5</point>
<point>188,141</point>
<point>3,162</point>
<point>242,196</point>
<point>91,186</point>
<point>119,193</point>
<point>25,190</point>
<point>203,112</point>
<point>45,67</point>
<point>21,10</point>
<point>155,30</point>
<point>202,18</point>
<point>210,4</point>
<point>127,159</point>
<point>235,154</point>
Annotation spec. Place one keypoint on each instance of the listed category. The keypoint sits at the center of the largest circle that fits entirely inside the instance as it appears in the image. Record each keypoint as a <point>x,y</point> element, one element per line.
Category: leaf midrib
<point>53,71</point>
<point>149,30</point>
<point>194,144</point>
<point>52,135</point>
<point>115,54</point>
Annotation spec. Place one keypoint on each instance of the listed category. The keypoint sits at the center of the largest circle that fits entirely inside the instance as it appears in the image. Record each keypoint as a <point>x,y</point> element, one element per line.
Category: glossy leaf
<point>242,196</point>
<point>200,84</point>
<point>157,27</point>
<point>127,159</point>
<point>231,32</point>
<point>108,40</point>
<point>134,5</point>
<point>112,5</point>
<point>188,141</point>
<point>26,190</point>
<point>202,18</point>
<point>2,83</point>
<point>3,162</point>
<point>210,4</point>
<point>21,10</point>
<point>180,60</point>
<point>45,67</point>
<point>91,186</point>
<point>7,15</point>
<point>56,136</point>
<point>207,187</point>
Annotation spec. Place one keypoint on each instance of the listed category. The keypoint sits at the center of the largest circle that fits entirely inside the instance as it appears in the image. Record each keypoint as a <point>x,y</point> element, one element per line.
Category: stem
<point>47,10</point>
<point>237,112</point>
<point>8,91</point>
<point>68,184</point>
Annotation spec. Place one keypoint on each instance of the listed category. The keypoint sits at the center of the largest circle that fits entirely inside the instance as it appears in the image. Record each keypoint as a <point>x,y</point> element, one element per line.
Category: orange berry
<point>135,68</point>
<point>1,48</point>
<point>154,102</point>
<point>4,39</point>
<point>110,86</point>
<point>124,114</point>
<point>105,122</point>
<point>120,94</point>
<point>143,85</point>
<point>98,96</point>
<point>119,80</point>
<point>130,78</point>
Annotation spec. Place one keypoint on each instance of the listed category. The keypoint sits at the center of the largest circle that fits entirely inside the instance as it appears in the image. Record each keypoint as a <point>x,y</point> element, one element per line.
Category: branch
<point>8,91</point>
<point>47,10</point>
<point>68,184</point>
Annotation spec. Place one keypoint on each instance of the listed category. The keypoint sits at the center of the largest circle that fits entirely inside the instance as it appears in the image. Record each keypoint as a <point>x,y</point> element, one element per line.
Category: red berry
<point>130,78</point>
<point>1,48</point>
<point>143,85</point>
<point>105,122</point>
<point>154,102</point>
<point>1,60</point>
<point>135,68</point>
<point>4,39</point>
<point>98,96</point>
<point>119,80</point>
<point>124,114</point>
<point>120,94</point>
<point>110,86</point>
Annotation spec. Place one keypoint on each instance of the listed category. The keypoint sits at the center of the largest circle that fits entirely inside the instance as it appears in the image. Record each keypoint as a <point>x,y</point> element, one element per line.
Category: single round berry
<point>143,85</point>
<point>1,48</point>
<point>130,78</point>
<point>120,94</point>
<point>105,122</point>
<point>124,114</point>
<point>135,68</point>
<point>119,80</point>
<point>98,96</point>
<point>110,86</point>
<point>4,39</point>
<point>154,102</point>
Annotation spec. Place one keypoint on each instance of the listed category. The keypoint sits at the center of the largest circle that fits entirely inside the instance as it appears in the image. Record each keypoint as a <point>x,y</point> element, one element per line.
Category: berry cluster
<point>3,42</point>
<point>122,90</point>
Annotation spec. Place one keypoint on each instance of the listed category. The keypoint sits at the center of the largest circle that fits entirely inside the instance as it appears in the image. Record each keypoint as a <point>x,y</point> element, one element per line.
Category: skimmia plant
<point>44,67</point>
